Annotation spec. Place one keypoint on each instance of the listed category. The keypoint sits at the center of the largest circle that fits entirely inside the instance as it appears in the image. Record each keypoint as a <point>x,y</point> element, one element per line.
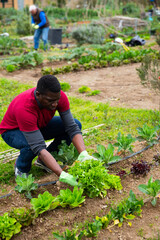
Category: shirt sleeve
<point>70,125</point>
<point>35,141</point>
<point>43,19</point>
<point>32,20</point>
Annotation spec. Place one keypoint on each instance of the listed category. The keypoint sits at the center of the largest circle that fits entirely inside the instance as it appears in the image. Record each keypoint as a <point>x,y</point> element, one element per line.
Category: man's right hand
<point>33,24</point>
<point>68,178</point>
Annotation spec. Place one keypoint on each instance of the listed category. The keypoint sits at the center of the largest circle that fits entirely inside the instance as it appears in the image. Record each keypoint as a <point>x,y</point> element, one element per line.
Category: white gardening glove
<point>83,156</point>
<point>68,178</point>
<point>36,27</point>
<point>33,24</point>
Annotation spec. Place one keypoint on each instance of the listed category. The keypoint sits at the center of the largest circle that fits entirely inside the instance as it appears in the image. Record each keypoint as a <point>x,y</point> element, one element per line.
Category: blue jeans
<point>15,138</point>
<point>38,33</point>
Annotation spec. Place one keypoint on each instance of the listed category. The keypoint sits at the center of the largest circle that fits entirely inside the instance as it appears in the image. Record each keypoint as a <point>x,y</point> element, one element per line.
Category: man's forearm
<point>50,162</point>
<point>78,143</point>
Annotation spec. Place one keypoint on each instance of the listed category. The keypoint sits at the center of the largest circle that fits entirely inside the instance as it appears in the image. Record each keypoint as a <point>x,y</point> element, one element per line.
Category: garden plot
<point>144,227</point>
<point>119,86</point>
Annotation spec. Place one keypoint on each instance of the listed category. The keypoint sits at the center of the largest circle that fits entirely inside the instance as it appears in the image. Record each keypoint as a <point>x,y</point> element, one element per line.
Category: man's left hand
<point>36,27</point>
<point>83,156</point>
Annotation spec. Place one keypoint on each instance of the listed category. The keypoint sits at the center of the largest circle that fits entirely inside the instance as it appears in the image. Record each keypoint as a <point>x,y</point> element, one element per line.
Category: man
<point>40,23</point>
<point>29,121</point>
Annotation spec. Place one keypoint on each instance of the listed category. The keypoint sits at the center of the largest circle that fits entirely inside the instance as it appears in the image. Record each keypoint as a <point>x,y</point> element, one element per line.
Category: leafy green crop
<point>106,155</point>
<point>94,92</point>
<point>148,134</point>
<point>127,208</point>
<point>8,227</point>
<point>69,198</point>
<point>94,178</point>
<point>69,235</point>
<point>124,211</point>
<point>152,189</point>
<point>84,89</point>
<point>67,154</point>
<point>65,86</point>
<point>26,185</point>
<point>22,215</point>
<point>93,229</point>
<point>124,142</point>
<point>43,203</point>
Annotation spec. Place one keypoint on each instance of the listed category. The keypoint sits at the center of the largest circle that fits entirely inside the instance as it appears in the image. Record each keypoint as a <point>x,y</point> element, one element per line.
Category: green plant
<point>94,178</point>
<point>26,185</point>
<point>84,89</point>
<point>91,33</point>
<point>69,235</point>
<point>46,71</point>
<point>149,72</point>
<point>94,92</point>
<point>106,154</point>
<point>152,189</point>
<point>65,86</point>
<point>158,39</point>
<point>66,154</point>
<point>8,226</point>
<point>124,142</point>
<point>43,203</point>
<point>92,229</point>
<point>22,215</point>
<point>11,68</point>
<point>148,134</point>
<point>69,198</point>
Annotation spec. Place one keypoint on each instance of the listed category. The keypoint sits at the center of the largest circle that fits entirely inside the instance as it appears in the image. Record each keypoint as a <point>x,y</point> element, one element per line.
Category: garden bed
<point>145,227</point>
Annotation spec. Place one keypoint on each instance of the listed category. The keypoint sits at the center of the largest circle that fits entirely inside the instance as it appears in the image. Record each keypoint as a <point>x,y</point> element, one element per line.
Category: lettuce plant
<point>26,185</point>
<point>140,168</point>
<point>67,154</point>
<point>148,134</point>
<point>94,178</point>
<point>152,189</point>
<point>8,226</point>
<point>43,203</point>
<point>124,143</point>
<point>22,215</point>
<point>69,198</point>
<point>106,154</point>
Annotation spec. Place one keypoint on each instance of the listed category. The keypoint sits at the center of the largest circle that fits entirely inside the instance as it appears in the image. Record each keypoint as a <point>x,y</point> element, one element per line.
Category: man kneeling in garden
<point>29,121</point>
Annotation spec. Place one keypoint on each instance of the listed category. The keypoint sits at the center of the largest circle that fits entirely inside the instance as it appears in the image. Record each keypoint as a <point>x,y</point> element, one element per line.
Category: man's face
<point>49,100</point>
<point>33,12</point>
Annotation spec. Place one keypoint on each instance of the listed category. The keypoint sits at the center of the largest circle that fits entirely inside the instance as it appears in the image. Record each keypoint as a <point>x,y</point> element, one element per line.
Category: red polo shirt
<point>25,114</point>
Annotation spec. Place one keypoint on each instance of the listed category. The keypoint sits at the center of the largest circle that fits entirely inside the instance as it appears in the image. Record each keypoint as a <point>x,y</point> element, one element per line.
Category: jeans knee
<point>78,123</point>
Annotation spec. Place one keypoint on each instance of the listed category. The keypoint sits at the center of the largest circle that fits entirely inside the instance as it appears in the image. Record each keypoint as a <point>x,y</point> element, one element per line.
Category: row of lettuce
<point>97,56</point>
<point>94,180</point>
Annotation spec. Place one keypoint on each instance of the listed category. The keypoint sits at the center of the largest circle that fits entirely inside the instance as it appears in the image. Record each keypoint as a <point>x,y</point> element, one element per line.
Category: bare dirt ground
<point>120,86</point>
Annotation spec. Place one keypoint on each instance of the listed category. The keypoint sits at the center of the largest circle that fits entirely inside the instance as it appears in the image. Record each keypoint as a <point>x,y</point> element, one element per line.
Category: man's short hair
<point>48,83</point>
<point>32,7</point>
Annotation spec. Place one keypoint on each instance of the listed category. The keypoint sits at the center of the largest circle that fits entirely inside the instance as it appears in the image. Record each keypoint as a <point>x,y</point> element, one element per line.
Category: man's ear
<point>37,94</point>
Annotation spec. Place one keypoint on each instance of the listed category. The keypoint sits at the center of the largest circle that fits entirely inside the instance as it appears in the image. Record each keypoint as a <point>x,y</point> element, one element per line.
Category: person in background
<point>40,23</point>
<point>30,120</point>
<point>154,3</point>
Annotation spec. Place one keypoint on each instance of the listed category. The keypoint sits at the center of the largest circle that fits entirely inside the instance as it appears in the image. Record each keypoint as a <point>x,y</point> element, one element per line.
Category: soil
<point>120,86</point>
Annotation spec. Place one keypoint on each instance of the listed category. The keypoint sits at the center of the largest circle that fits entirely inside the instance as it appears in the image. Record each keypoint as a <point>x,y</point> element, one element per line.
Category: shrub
<point>91,33</point>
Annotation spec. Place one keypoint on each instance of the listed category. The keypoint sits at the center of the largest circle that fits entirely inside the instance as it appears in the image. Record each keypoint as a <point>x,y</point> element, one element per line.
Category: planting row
<point>12,222</point>
<point>103,60</point>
